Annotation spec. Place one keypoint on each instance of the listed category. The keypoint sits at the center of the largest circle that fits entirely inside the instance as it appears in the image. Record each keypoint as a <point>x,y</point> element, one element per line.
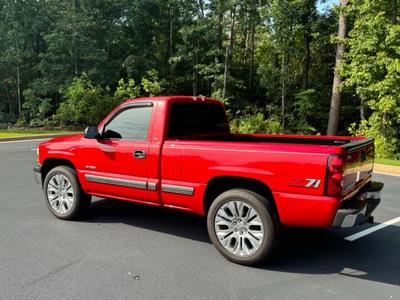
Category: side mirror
<point>91,132</point>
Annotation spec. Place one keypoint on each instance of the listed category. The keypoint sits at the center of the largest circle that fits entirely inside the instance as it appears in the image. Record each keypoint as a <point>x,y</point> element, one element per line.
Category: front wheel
<point>243,226</point>
<point>63,194</point>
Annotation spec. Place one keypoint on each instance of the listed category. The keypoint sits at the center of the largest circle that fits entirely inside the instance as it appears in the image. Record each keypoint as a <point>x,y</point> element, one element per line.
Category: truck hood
<point>67,140</point>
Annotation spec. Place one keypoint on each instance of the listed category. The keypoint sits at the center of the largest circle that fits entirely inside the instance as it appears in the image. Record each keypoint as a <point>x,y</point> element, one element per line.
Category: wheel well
<point>51,163</point>
<point>218,185</point>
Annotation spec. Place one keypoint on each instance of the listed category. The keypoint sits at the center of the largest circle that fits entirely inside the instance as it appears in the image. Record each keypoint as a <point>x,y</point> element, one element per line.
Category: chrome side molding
<point>117,181</point>
<point>177,189</point>
<point>151,186</point>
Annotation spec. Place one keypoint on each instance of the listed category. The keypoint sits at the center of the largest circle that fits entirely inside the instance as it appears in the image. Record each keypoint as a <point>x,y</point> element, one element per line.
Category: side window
<point>129,124</point>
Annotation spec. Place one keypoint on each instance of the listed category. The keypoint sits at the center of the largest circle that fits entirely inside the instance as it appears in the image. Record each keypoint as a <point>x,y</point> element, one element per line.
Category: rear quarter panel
<point>283,168</point>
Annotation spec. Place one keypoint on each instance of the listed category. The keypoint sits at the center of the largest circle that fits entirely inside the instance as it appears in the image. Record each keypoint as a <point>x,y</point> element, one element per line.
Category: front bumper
<point>37,174</point>
<point>358,210</point>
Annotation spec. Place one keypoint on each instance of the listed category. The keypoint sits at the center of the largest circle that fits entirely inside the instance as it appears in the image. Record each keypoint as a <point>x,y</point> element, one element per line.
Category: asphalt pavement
<point>128,251</point>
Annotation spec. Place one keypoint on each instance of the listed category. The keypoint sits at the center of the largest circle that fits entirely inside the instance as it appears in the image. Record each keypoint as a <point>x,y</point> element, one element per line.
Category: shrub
<point>83,103</point>
<point>256,123</point>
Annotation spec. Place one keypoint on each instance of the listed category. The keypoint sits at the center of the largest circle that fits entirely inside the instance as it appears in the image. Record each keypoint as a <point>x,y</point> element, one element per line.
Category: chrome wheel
<point>60,193</point>
<point>239,228</point>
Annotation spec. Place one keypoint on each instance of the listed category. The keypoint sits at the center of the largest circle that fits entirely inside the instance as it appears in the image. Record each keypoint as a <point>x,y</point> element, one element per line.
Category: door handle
<point>139,154</point>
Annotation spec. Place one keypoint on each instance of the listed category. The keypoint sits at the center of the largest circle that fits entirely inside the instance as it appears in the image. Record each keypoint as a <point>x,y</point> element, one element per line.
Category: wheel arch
<point>220,184</point>
<point>51,163</point>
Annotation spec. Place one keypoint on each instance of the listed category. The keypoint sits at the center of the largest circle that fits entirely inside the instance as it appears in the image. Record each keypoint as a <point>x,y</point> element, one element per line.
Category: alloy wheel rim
<point>60,193</point>
<point>239,228</point>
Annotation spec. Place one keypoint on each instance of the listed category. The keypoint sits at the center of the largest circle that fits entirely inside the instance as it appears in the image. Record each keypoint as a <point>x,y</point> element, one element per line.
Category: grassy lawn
<point>390,162</point>
<point>10,133</point>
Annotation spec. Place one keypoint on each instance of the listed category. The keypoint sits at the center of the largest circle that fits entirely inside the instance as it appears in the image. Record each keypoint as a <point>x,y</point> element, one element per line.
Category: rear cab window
<point>189,119</point>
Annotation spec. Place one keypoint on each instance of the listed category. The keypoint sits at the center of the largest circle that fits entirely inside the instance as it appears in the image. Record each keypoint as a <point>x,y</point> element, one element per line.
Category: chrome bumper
<point>358,210</point>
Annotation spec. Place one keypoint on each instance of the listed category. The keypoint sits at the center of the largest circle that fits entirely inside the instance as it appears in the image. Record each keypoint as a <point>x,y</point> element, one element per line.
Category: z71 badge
<point>305,182</point>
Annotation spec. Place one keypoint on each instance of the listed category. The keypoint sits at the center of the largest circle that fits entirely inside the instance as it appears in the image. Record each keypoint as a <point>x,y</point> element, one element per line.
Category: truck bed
<point>348,142</point>
<point>356,152</point>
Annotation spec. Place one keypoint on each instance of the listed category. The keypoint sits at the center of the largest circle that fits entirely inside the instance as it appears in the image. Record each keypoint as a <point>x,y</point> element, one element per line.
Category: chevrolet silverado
<point>178,152</point>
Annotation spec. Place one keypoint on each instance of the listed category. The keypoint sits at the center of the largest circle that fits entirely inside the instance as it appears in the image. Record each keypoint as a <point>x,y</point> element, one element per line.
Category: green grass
<point>11,133</point>
<point>390,162</point>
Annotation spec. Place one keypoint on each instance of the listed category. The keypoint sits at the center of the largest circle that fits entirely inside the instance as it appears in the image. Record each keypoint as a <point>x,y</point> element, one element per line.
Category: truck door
<point>117,162</point>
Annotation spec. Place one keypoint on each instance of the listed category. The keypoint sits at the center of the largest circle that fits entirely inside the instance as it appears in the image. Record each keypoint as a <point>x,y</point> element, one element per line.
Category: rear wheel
<point>63,194</point>
<point>243,226</point>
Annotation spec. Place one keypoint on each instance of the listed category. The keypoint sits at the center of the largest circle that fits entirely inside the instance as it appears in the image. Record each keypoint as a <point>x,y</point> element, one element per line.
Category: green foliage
<point>157,47</point>
<point>126,90</point>
<point>256,123</point>
<point>372,71</point>
<point>295,28</point>
<point>152,85</point>
<point>304,109</point>
<point>390,162</point>
<point>384,147</point>
<point>36,110</point>
<point>12,133</point>
<point>73,61</point>
<point>84,103</point>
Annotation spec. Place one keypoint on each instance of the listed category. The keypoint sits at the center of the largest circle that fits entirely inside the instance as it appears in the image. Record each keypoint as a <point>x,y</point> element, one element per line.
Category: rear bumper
<point>298,210</point>
<point>358,210</point>
<point>37,174</point>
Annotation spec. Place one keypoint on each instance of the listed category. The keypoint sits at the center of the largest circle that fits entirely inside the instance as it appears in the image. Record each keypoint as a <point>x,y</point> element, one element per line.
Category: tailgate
<point>358,165</point>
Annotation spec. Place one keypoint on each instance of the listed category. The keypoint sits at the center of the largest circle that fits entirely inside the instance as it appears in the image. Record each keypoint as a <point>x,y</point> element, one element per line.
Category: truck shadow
<point>321,251</point>
<point>153,218</point>
<point>304,251</point>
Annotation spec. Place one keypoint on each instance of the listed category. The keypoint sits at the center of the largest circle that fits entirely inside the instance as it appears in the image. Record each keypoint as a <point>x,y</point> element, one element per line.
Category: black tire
<point>268,216</point>
<point>81,201</point>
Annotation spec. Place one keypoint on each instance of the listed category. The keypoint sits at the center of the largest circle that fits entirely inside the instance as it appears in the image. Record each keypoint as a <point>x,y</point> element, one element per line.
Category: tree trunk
<point>252,46</point>
<point>394,12</point>
<point>171,24</point>
<point>220,33</point>
<point>194,92</point>
<point>194,70</point>
<point>219,56</point>
<point>9,99</point>
<point>74,46</point>
<point>306,62</point>
<point>334,114</point>
<point>362,110</point>
<point>194,74</point>
<point>169,41</point>
<point>201,8</point>
<point>382,129</point>
<point>18,58</point>
<point>228,52</point>
<point>283,92</point>
<point>19,91</point>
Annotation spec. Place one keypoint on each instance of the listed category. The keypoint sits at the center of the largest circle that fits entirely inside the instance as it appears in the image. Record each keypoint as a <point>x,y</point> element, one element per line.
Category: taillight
<point>334,175</point>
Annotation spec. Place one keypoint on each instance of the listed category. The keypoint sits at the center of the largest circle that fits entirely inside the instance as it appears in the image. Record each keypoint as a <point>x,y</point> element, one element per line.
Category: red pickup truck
<point>178,152</point>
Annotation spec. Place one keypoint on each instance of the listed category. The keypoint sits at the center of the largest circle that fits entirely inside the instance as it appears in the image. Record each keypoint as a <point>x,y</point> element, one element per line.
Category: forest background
<point>65,64</point>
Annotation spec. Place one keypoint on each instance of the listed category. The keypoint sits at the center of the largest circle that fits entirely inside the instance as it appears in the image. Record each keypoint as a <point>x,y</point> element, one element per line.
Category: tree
<point>267,60</point>
<point>334,113</point>
<point>308,16</point>
<point>19,24</point>
<point>229,46</point>
<point>372,72</point>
